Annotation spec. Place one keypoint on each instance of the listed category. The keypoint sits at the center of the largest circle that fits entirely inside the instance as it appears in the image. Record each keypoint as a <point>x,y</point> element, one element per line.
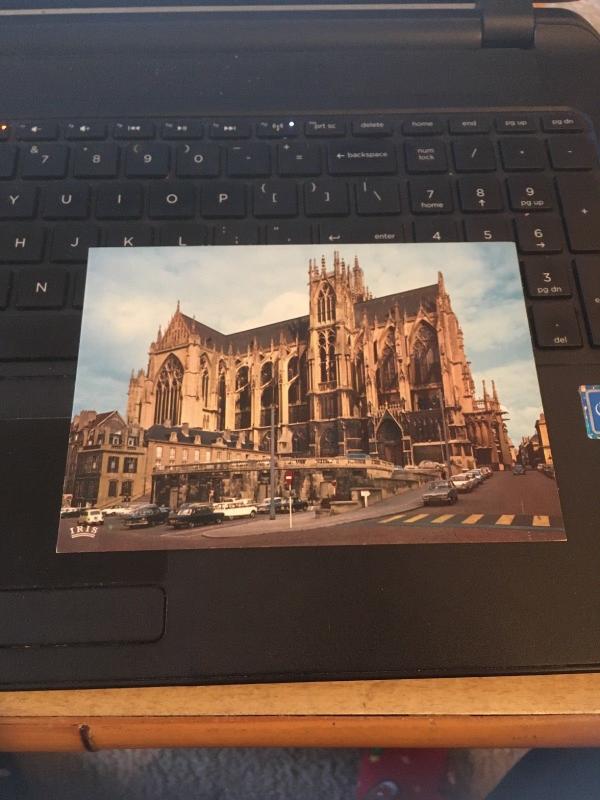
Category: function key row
<point>421,125</point>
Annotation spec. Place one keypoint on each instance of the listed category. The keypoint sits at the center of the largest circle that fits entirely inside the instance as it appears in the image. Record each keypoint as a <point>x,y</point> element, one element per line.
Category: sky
<point>130,291</point>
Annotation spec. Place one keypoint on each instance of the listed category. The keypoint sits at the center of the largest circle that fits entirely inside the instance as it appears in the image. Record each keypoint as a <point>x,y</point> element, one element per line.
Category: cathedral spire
<point>485,394</point>
<point>495,391</point>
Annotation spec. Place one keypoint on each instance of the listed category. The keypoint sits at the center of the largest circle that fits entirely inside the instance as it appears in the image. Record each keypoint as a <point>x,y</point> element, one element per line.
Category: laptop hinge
<point>507,23</point>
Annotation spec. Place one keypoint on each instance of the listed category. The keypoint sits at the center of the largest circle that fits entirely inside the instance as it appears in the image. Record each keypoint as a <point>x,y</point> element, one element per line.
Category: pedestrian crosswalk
<point>521,521</point>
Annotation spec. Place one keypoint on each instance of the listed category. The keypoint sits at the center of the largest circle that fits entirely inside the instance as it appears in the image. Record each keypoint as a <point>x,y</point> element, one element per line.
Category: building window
<point>130,465</point>
<point>268,396</point>
<point>327,356</point>
<point>116,439</point>
<point>221,397</point>
<point>426,356</point>
<point>243,398</point>
<point>100,439</point>
<point>126,488</point>
<point>158,453</point>
<point>113,464</point>
<point>113,487</point>
<point>132,441</point>
<point>171,455</point>
<point>326,304</point>
<point>184,456</point>
<point>168,392</point>
<point>204,382</point>
<point>196,456</point>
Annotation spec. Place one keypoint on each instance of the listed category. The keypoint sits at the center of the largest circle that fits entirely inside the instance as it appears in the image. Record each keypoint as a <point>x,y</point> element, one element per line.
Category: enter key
<point>588,276</point>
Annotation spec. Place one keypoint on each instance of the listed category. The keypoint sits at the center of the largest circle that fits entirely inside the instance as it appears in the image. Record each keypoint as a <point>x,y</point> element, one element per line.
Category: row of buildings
<point>358,389</point>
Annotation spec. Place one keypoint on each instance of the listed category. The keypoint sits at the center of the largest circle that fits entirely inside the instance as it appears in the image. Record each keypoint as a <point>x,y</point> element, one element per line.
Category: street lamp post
<point>272,464</point>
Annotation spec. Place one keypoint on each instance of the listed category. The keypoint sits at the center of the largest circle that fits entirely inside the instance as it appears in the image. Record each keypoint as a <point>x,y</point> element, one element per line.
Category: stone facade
<point>387,377</point>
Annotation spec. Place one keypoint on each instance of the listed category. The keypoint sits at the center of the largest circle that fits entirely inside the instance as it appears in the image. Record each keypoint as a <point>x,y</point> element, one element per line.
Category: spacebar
<point>39,337</point>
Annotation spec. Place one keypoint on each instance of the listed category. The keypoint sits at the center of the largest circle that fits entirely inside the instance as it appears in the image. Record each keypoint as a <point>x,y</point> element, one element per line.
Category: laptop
<point>103,103</point>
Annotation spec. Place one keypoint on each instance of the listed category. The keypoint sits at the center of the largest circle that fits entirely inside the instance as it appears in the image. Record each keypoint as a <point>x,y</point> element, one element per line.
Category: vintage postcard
<point>306,395</point>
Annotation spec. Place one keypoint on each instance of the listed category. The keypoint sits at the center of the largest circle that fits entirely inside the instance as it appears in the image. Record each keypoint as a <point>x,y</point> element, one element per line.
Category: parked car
<point>297,504</point>
<point>174,511</point>
<point>487,472</point>
<point>265,506</point>
<point>477,475</point>
<point>236,509</point>
<point>443,492</point>
<point>462,483</point>
<point>69,511</point>
<point>116,511</point>
<point>519,469</point>
<point>146,516</point>
<point>195,514</point>
<point>90,516</point>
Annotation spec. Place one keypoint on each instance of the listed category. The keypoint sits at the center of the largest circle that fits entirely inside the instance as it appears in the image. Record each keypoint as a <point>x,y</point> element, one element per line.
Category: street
<point>504,508</point>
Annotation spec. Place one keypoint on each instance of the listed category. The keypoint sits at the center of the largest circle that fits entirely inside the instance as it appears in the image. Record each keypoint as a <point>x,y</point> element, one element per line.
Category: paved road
<point>504,508</point>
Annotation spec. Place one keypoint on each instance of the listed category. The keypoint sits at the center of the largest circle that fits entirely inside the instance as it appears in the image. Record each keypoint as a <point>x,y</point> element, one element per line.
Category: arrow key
<point>537,233</point>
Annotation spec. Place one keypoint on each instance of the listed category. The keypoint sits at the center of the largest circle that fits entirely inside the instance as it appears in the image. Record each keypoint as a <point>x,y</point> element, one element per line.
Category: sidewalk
<point>407,501</point>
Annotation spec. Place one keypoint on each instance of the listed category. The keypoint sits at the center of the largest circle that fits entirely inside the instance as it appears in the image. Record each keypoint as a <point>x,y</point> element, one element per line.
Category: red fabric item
<point>403,775</point>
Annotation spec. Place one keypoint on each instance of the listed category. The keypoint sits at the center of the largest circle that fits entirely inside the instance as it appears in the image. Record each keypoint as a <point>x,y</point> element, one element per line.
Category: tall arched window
<point>327,356</point>
<point>168,392</point>
<point>243,400</point>
<point>221,396</point>
<point>204,381</point>
<point>297,372</point>
<point>426,356</point>
<point>268,394</point>
<point>326,304</point>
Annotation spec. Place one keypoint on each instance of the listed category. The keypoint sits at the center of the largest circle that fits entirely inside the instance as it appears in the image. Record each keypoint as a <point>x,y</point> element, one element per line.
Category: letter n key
<point>41,288</point>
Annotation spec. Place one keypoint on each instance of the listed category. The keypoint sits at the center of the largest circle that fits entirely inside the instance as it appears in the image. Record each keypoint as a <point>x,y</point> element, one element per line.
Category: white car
<point>236,509</point>
<point>115,511</point>
<point>462,483</point>
<point>91,516</point>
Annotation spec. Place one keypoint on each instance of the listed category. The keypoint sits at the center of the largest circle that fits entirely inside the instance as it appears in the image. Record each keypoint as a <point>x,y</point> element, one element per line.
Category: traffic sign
<point>288,477</point>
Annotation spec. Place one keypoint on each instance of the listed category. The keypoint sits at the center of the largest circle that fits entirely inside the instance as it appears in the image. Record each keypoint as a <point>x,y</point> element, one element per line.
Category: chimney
<point>185,428</point>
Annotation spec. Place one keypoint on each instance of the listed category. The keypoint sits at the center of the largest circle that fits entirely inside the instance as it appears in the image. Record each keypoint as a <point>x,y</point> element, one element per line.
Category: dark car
<point>297,504</point>
<point>265,506</point>
<point>145,516</point>
<point>197,514</point>
<point>173,512</point>
<point>519,469</point>
<point>442,492</point>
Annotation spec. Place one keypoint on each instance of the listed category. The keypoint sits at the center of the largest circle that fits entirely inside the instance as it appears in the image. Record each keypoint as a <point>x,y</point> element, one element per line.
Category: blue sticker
<point>590,400</point>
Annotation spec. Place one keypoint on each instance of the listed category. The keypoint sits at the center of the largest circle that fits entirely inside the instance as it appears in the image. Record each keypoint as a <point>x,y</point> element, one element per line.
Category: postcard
<point>306,395</point>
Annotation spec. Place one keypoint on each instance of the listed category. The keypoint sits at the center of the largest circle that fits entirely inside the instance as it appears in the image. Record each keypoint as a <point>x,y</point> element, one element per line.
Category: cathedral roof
<point>408,303</point>
<point>160,433</point>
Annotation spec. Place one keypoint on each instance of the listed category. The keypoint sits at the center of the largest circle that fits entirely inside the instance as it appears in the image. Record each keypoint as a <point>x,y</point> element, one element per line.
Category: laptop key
<point>555,325</point>
<point>362,230</point>
<point>474,155</point>
<point>435,230</point>
<point>275,199</point>
<point>325,127</point>
<point>33,336</point>
<point>377,197</point>
<point>147,161</point>
<point>224,199</point>
<point>18,201</point>
<point>70,243</point>
<point>43,287</point>
<point>480,194</point>
<point>422,126</point>
<point>172,200</point>
<point>522,154</point>
<point>182,129</point>
<point>44,161</point>
<point>469,124</point>
<point>36,131</point>
<point>66,201</point>
<point>8,160</point>
<point>430,196</point>
<point>357,159</point>
<point>21,243</point>
<point>326,198</point>
<point>236,233</point>
<point>119,201</point>
<point>5,278</point>
<point>371,127</point>
<point>588,274</point>
<point>572,152</point>
<point>230,130</point>
<point>299,159</point>
<point>425,156</point>
<point>134,129</point>
<point>516,123</point>
<point>488,229</point>
<point>294,232</point>
<point>134,235</point>
<point>96,161</point>
<point>580,201</point>
<point>75,131</point>
<point>530,193</point>
<point>276,129</point>
<point>198,161</point>
<point>547,276</point>
<point>562,123</point>
<point>182,234</point>
<point>249,160</point>
<point>539,234</point>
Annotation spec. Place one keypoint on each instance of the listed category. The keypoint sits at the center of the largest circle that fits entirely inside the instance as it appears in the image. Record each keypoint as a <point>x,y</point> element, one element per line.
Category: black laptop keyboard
<point>66,186</point>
